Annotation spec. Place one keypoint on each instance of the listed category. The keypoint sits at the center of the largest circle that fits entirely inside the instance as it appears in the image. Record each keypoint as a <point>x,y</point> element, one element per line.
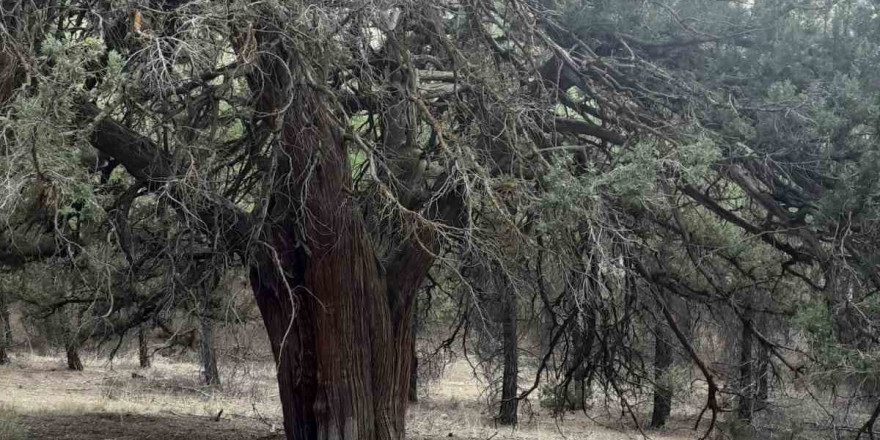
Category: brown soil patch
<point>106,426</point>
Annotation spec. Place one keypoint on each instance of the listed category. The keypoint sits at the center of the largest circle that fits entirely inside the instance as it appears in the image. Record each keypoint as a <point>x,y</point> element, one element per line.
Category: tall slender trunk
<point>763,372</point>
<point>763,379</point>
<point>746,374</point>
<point>578,367</point>
<point>73,360</point>
<point>74,341</point>
<point>143,349</point>
<point>207,355</point>
<point>4,355</point>
<point>5,329</point>
<point>663,357</point>
<point>509,402</point>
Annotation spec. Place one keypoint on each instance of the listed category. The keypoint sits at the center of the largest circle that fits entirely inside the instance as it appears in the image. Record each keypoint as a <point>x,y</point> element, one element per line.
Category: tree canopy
<point>610,164</point>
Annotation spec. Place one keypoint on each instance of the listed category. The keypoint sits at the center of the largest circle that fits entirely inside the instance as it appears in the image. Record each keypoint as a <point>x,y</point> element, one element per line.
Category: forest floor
<point>41,399</point>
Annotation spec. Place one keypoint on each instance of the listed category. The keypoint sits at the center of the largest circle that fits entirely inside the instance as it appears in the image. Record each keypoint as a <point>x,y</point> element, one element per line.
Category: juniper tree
<point>338,149</point>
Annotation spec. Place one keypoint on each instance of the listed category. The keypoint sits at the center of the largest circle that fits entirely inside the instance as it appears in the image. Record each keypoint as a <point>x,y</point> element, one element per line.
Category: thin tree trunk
<point>143,350</point>
<point>746,374</point>
<point>5,329</point>
<point>4,356</point>
<point>583,335</point>
<point>663,357</point>
<point>509,402</point>
<point>74,342</point>
<point>763,371</point>
<point>73,360</point>
<point>207,355</point>
<point>577,367</point>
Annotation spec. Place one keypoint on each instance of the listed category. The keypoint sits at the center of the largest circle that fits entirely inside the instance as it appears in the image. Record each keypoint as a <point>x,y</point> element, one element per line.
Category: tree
<point>5,328</point>
<point>747,385</point>
<point>510,347</point>
<point>207,354</point>
<point>338,150</point>
<point>74,362</point>
<point>143,346</point>
<point>663,359</point>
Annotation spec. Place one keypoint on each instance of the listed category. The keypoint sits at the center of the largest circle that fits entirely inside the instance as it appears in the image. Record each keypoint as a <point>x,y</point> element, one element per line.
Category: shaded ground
<point>142,427</point>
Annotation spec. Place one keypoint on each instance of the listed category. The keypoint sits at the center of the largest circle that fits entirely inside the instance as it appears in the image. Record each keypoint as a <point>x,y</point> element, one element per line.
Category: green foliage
<point>814,318</point>
<point>48,139</point>
<point>697,158</point>
<point>817,322</point>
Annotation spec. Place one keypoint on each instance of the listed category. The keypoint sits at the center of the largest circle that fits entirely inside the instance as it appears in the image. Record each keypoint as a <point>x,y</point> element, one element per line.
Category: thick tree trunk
<point>73,361</point>
<point>207,355</point>
<point>509,402</point>
<point>342,363</point>
<point>746,374</point>
<point>663,357</point>
<point>338,319</point>
<point>143,350</point>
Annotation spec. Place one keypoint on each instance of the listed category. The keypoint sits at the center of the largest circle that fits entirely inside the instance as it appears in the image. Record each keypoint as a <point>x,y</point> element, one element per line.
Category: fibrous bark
<point>414,358</point>
<point>338,321</point>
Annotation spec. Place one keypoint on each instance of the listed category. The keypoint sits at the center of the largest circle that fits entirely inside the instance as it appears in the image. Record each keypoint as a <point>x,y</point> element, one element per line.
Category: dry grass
<point>40,398</point>
<point>453,407</point>
<point>43,392</point>
<point>11,427</point>
<point>122,401</point>
<point>42,384</point>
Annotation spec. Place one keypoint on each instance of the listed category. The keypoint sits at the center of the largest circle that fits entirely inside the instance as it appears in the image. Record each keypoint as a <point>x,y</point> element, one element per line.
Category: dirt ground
<point>122,402</point>
<point>139,426</point>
